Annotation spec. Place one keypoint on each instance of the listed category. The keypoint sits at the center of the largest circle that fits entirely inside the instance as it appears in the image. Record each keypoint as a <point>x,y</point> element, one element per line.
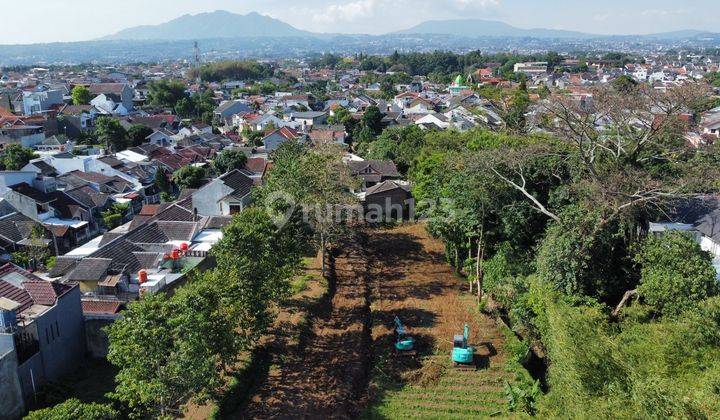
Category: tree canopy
<point>81,95</point>
<point>189,176</point>
<point>14,157</point>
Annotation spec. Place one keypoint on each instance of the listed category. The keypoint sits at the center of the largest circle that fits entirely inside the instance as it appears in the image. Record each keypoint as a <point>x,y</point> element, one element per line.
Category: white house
<point>38,102</point>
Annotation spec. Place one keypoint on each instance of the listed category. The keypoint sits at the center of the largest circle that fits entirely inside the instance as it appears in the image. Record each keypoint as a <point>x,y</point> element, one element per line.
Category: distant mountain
<point>219,24</point>
<point>481,28</point>
<point>490,28</point>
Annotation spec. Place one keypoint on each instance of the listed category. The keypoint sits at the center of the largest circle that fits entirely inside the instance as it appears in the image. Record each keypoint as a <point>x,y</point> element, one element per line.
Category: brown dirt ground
<point>290,321</point>
<point>323,377</point>
<point>388,272</point>
<point>412,280</point>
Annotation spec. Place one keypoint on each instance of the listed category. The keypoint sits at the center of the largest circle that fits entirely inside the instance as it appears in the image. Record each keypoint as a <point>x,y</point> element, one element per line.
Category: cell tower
<point>197,62</point>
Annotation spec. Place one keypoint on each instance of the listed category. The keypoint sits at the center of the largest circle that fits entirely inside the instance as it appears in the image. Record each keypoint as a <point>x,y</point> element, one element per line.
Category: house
<point>107,105</point>
<point>224,196</point>
<point>41,331</point>
<point>227,109</point>
<point>121,94</point>
<point>532,68</point>
<point>161,137</point>
<point>274,139</point>
<point>327,135</point>
<point>304,120</point>
<point>76,119</point>
<point>388,199</point>
<point>39,102</point>
<point>21,132</point>
<point>372,172</point>
<point>433,120</point>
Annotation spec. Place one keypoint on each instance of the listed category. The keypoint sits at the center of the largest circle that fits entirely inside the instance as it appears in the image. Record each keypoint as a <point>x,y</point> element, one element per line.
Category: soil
<point>333,372</point>
<point>323,376</point>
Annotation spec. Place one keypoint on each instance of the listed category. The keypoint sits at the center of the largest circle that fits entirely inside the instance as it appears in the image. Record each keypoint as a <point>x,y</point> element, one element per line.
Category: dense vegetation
<point>441,66</point>
<point>232,70</point>
<point>555,224</point>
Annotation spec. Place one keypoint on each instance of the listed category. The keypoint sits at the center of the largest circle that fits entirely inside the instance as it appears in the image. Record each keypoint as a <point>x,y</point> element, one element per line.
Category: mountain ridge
<point>217,24</point>
<point>224,24</point>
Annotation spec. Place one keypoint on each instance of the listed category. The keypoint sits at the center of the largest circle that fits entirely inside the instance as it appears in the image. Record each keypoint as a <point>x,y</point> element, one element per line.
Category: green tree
<point>229,159</point>
<point>110,133</point>
<point>186,341</point>
<point>14,157</point>
<point>320,181</point>
<point>166,92</point>
<point>372,119</point>
<point>138,134</point>
<point>676,274</point>
<point>75,409</point>
<point>256,260</point>
<point>624,84</point>
<point>189,176</point>
<point>81,95</point>
<point>161,180</point>
<point>114,216</point>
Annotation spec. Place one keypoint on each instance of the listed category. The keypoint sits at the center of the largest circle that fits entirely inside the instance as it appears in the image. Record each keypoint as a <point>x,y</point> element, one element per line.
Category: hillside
<point>218,24</point>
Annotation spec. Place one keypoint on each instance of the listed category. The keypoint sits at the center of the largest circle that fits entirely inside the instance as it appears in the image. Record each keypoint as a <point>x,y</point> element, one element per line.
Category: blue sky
<point>73,20</point>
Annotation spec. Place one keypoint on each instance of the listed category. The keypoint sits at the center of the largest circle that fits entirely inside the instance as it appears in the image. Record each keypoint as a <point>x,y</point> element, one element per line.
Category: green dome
<point>458,80</point>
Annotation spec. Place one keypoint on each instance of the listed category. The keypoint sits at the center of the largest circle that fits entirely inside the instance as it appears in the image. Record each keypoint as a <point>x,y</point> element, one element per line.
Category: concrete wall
<point>9,178</point>
<point>23,204</point>
<point>62,337</point>
<point>31,373</point>
<point>11,400</point>
<point>96,340</point>
<point>205,200</point>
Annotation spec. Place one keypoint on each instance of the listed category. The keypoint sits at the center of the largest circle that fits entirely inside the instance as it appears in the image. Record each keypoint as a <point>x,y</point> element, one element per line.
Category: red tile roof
<point>101,307</point>
<point>34,291</point>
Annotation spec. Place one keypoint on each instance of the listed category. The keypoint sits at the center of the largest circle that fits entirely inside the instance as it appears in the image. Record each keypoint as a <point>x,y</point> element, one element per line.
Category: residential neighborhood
<point>419,233</point>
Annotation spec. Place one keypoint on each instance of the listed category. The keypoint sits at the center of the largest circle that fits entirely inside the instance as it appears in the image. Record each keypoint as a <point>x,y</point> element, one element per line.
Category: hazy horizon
<point>45,21</point>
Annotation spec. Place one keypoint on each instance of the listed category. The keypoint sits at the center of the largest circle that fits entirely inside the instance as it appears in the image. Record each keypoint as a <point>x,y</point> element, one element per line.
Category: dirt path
<point>323,377</point>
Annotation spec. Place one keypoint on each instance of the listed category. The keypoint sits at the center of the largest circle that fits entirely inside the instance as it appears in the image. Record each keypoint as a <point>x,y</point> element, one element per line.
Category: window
<point>235,209</point>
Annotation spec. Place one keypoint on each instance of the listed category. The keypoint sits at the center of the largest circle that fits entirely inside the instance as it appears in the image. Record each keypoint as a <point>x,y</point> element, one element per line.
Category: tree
<point>81,95</point>
<point>189,176</point>
<point>186,341</point>
<point>624,84</point>
<point>113,216</point>
<point>229,159</point>
<point>401,145</point>
<point>372,119</point>
<point>75,409</point>
<point>138,134</point>
<point>166,92</point>
<point>256,258</point>
<point>161,181</point>
<point>110,133</point>
<point>676,274</point>
<point>319,182</point>
<point>14,157</point>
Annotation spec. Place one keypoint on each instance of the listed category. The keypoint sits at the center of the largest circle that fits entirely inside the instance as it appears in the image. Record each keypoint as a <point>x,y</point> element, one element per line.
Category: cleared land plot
<point>411,280</point>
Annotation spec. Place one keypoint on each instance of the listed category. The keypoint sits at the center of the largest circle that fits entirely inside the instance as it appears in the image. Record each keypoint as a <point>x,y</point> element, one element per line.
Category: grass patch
<point>300,284</point>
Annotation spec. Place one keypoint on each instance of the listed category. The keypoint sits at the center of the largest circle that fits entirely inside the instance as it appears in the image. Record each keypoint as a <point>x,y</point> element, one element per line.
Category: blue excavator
<point>463,355</point>
<point>404,343</point>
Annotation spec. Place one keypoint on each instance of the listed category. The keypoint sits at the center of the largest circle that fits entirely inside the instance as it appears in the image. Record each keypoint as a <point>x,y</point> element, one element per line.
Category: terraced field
<point>410,279</point>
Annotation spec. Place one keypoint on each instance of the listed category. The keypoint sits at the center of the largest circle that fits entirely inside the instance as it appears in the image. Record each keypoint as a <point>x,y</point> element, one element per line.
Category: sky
<point>78,20</point>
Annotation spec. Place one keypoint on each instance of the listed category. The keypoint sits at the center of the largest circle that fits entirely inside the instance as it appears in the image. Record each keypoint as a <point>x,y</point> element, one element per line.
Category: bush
<point>676,274</point>
<point>523,396</point>
<point>74,409</point>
